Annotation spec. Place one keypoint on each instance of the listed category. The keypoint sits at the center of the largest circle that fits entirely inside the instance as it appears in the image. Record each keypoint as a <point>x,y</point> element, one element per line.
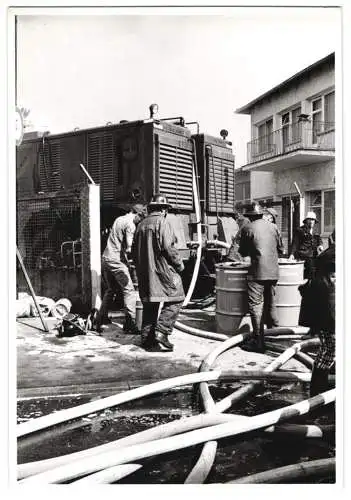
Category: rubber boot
<point>130,326</point>
<point>319,381</point>
<point>162,339</point>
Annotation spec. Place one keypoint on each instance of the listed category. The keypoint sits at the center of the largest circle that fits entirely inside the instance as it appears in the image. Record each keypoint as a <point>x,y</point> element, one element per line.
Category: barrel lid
<point>233,265</point>
<point>288,261</point>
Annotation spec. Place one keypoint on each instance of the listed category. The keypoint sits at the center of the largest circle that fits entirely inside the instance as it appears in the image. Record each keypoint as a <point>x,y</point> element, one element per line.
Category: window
<point>329,111</point>
<point>291,127</point>
<point>323,115</point>
<point>265,136</point>
<point>242,191</point>
<point>329,211</point>
<point>323,204</point>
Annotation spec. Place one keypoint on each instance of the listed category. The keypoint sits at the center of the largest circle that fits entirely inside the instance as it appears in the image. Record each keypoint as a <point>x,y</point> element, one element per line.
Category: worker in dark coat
<point>158,267</point>
<point>307,245</point>
<point>261,241</point>
<point>233,252</point>
<point>318,312</point>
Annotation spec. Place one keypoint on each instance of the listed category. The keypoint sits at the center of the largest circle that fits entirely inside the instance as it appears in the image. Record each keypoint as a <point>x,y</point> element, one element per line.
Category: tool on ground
<point>19,257</point>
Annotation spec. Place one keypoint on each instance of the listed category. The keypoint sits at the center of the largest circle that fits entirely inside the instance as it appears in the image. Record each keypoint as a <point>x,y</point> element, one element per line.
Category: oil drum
<point>288,297</point>
<point>231,296</point>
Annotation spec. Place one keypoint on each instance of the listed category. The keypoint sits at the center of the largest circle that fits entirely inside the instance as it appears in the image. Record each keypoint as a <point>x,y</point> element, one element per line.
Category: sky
<point>86,70</point>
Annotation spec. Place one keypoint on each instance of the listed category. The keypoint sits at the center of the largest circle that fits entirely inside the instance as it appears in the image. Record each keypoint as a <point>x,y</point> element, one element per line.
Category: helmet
<point>272,211</point>
<point>159,200</point>
<point>254,209</point>
<point>310,215</point>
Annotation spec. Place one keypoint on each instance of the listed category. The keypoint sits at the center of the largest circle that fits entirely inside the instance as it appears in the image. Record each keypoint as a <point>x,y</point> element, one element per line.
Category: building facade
<point>291,154</point>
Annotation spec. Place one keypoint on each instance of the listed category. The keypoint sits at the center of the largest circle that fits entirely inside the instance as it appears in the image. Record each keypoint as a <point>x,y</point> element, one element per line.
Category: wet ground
<point>58,373</point>
<point>235,457</point>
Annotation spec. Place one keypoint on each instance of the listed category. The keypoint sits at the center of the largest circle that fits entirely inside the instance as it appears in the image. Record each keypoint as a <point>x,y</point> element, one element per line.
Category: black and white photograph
<point>176,245</point>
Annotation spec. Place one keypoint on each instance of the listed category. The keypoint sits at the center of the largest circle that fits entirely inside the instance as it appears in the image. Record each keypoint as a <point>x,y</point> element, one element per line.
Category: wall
<point>262,184</point>
<point>308,177</point>
<point>304,88</point>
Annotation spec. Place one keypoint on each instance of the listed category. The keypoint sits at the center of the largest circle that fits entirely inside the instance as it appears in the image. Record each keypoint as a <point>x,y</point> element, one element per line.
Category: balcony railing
<point>303,135</point>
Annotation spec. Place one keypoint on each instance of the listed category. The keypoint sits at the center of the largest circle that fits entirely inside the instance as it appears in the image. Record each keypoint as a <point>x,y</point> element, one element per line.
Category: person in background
<point>158,266</point>
<point>261,242</point>
<point>271,215</point>
<point>233,252</point>
<point>115,268</point>
<point>318,304</point>
<point>307,245</point>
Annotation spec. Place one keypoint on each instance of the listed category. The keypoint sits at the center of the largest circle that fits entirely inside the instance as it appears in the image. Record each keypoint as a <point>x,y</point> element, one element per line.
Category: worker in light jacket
<point>116,269</point>
<point>261,242</point>
<point>158,267</point>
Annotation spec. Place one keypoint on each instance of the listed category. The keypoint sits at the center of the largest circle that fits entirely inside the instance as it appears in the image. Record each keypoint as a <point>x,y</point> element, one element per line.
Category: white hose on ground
<point>109,475</point>
<point>237,395</point>
<point>207,456</point>
<point>46,421</point>
<point>138,452</point>
<point>325,466</point>
<point>199,240</point>
<point>161,431</point>
<point>200,333</point>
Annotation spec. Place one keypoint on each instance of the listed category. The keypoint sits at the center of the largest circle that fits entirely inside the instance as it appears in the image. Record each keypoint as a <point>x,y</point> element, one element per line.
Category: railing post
<point>91,254</point>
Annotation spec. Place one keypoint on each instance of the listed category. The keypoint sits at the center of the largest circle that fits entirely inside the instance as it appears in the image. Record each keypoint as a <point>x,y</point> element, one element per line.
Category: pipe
<point>161,431</point>
<point>300,356</point>
<point>170,444</point>
<point>199,236</point>
<point>218,243</point>
<point>109,475</point>
<point>201,469</point>
<point>301,470</point>
<point>205,462</point>
<point>58,417</point>
<point>165,430</point>
<point>200,333</point>
<point>277,363</point>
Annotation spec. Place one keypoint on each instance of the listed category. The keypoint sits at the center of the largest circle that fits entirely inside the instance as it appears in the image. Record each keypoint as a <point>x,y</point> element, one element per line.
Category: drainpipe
<point>302,203</point>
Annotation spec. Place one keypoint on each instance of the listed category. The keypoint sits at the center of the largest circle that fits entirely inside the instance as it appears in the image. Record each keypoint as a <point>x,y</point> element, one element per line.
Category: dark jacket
<point>305,244</point>
<point>318,295</point>
<point>157,261</point>
<point>261,241</point>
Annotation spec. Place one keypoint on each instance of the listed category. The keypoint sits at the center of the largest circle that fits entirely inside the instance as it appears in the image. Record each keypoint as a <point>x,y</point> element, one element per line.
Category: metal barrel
<point>231,297</point>
<point>288,297</point>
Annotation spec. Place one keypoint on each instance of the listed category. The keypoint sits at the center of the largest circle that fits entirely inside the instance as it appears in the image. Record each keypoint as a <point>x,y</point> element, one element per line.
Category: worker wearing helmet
<point>158,267</point>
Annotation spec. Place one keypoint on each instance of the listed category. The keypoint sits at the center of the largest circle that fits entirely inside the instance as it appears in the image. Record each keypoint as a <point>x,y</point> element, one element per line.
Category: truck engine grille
<point>175,175</point>
<point>220,184</point>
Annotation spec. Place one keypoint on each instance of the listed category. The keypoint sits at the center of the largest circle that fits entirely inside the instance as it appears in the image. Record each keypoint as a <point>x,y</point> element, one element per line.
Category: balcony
<point>300,143</point>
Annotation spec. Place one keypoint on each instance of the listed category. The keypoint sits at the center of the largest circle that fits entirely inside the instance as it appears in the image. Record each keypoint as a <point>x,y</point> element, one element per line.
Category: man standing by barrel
<point>158,266</point>
<point>261,242</point>
<point>115,268</point>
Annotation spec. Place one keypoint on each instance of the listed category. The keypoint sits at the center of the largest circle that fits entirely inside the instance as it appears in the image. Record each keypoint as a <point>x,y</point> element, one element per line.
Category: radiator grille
<point>220,184</point>
<point>102,162</point>
<point>49,165</point>
<point>175,175</point>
